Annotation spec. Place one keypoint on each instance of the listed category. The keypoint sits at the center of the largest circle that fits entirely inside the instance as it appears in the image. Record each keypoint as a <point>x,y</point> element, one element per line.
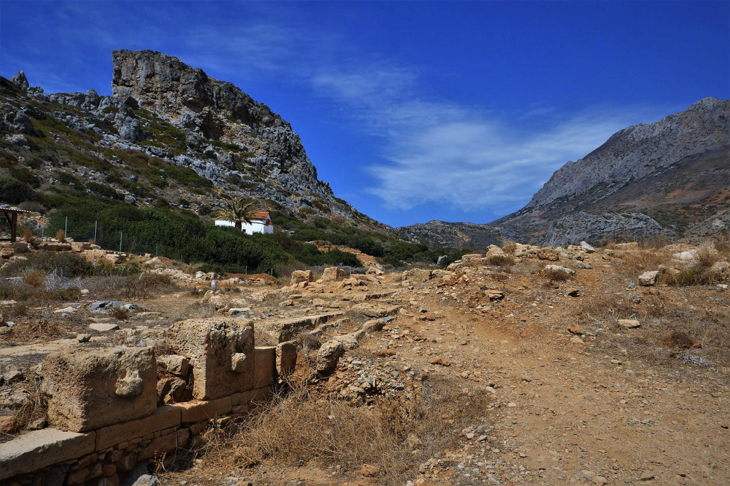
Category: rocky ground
<point>579,374</point>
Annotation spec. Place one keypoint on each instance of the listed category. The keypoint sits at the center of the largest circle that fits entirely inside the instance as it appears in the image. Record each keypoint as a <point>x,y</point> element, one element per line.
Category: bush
<point>503,261</point>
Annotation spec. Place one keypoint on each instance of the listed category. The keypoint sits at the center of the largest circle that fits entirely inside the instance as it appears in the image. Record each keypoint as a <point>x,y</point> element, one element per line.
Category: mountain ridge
<point>670,178</point>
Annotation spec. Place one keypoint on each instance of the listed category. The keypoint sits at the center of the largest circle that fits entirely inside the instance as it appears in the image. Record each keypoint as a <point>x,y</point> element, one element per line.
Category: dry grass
<point>509,247</point>
<point>669,322</point>
<point>502,261</point>
<point>555,276</point>
<point>120,314</point>
<point>61,235</point>
<point>395,435</point>
<point>34,278</point>
<point>27,234</point>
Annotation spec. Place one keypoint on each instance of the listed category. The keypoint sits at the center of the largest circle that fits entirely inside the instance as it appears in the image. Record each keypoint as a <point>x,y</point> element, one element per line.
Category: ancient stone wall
<point>114,409</point>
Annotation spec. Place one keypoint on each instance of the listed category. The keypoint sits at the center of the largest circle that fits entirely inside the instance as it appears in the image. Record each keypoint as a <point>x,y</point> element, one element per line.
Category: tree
<point>239,210</point>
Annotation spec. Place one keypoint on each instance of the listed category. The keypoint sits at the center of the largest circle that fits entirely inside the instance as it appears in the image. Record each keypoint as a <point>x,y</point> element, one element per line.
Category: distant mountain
<point>668,178</point>
<point>169,136</point>
<point>451,235</point>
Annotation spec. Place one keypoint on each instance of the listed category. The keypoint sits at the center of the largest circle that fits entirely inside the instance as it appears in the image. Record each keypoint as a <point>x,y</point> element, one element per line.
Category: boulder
<point>648,279</point>
<point>333,274</point>
<point>328,356</point>
<point>299,276</point>
<point>588,248</point>
<point>91,388</point>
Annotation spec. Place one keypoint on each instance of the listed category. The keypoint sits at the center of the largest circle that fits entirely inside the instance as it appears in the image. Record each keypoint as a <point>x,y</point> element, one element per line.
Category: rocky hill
<point>451,235</point>
<point>169,135</point>
<point>668,178</point>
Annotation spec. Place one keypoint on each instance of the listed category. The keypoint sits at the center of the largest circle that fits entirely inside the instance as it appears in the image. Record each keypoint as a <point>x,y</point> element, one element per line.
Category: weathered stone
<point>42,448</point>
<point>333,274</point>
<point>163,418</point>
<point>287,329</point>
<point>198,411</point>
<point>265,368</point>
<point>215,348</point>
<point>299,276</point>
<point>91,388</point>
<point>173,363</point>
<point>419,275</point>
<point>648,279</point>
<point>164,444</point>
<point>102,327</point>
<point>588,248</point>
<point>8,424</point>
<point>629,323</point>
<point>327,357</point>
<point>286,358</point>
<point>560,269</point>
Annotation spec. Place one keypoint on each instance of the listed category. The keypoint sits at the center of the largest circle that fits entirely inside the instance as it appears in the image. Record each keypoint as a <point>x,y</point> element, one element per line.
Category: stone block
<point>299,276</point>
<point>165,444</point>
<point>199,411</point>
<point>286,358</point>
<point>163,418</point>
<point>287,329</point>
<point>257,395</point>
<point>265,369</point>
<point>221,352</point>
<point>92,388</point>
<point>333,274</point>
<point>42,448</point>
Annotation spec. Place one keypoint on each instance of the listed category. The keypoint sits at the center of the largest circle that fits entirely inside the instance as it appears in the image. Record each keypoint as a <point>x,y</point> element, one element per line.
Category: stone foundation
<point>108,415</point>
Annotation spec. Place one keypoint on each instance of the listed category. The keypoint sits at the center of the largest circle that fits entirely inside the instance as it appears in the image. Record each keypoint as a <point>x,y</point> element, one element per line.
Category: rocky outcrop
<point>209,109</point>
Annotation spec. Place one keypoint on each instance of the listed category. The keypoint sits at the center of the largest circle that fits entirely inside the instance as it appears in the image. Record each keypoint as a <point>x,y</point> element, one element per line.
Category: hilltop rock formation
<point>671,177</point>
<point>217,110</point>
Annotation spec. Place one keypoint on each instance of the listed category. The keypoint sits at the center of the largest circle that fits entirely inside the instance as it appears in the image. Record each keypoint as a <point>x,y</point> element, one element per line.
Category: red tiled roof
<point>262,215</point>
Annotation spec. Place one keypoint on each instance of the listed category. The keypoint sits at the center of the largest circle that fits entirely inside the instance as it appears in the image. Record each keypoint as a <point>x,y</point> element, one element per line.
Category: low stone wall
<point>110,412</point>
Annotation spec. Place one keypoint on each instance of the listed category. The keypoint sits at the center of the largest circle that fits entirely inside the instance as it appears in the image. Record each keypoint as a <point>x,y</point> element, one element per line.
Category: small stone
<point>646,476</point>
<point>83,338</point>
<point>369,470</point>
<point>629,323</point>
<point>574,328</point>
<point>101,327</point>
<point>648,279</point>
<point>8,424</point>
<point>599,480</point>
<point>576,340</point>
<point>574,292</point>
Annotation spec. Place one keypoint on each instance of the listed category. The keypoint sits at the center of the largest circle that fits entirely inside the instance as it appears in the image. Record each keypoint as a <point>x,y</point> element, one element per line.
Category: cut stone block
<point>286,358</point>
<point>265,366</point>
<point>199,411</point>
<point>164,444</point>
<point>333,274</point>
<point>221,352</point>
<point>92,388</point>
<point>163,418</point>
<point>287,329</point>
<point>42,448</point>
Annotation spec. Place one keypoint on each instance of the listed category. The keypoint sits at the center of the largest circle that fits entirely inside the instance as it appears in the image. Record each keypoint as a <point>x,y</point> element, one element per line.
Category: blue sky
<point>412,111</point>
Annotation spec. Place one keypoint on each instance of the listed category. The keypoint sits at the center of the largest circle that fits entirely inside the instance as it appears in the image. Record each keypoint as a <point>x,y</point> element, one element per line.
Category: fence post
<point>65,228</point>
<point>95,225</point>
<point>121,234</point>
<point>43,227</point>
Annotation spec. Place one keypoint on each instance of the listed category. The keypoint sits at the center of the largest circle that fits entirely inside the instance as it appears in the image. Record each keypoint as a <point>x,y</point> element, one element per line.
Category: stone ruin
<point>111,410</point>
